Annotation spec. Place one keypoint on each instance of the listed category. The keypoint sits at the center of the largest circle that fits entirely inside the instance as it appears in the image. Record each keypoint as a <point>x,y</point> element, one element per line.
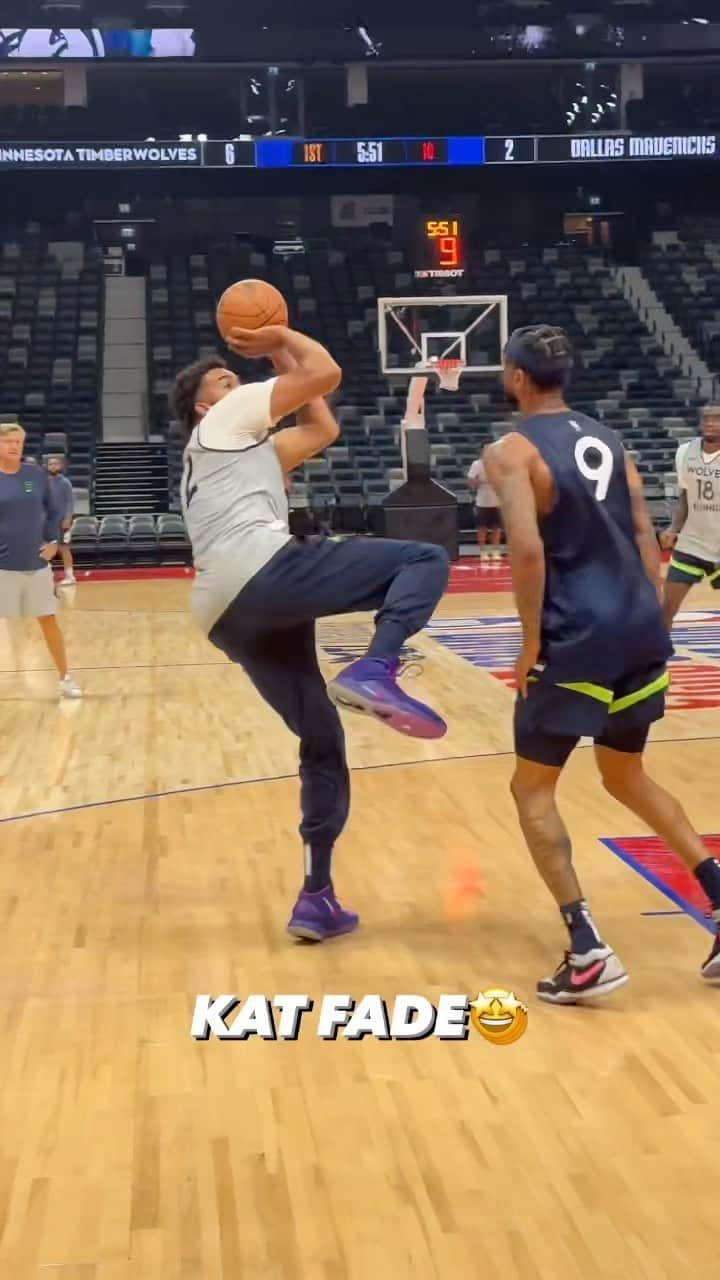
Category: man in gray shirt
<point>64,499</point>
<point>29,531</point>
<point>258,591</point>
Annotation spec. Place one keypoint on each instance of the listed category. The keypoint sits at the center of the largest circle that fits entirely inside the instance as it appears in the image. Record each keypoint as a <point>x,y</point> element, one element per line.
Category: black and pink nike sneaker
<point>582,978</point>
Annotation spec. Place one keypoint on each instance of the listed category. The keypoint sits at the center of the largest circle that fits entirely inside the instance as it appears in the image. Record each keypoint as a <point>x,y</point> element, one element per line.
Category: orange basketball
<point>250,304</point>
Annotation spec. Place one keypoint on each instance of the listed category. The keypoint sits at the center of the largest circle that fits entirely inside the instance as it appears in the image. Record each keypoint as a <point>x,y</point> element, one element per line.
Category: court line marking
<point>686,907</point>
<point>662,913</point>
<point>124,666</point>
<point>289,777</point>
<point>68,611</point>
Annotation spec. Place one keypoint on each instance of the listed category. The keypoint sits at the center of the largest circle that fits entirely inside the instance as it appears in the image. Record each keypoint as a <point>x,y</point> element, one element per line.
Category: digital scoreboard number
<point>369,152</point>
<point>516,150</point>
<point>441,246</point>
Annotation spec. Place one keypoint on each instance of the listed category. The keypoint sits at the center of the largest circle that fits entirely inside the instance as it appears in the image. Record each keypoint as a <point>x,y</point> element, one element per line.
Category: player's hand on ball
<point>48,551</point>
<point>255,343</point>
<point>668,538</point>
<point>526,660</point>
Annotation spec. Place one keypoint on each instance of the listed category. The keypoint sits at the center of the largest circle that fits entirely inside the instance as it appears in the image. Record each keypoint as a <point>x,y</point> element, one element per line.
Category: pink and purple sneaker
<point>370,686</point>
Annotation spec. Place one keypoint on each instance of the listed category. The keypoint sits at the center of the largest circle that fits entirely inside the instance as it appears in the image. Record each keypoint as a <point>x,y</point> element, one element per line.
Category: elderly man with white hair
<point>29,532</point>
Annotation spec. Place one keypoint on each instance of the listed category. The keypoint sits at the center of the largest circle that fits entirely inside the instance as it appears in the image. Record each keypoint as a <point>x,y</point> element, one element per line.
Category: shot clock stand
<point>442,336</point>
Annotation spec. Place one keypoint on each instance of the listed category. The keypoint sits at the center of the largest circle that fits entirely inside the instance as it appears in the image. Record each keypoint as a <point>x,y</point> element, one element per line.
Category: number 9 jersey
<point>601,616</point>
<point>700,478</point>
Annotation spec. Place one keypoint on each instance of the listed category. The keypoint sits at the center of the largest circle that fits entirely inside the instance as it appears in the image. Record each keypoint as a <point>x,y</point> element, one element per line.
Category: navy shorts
<point>553,718</point>
<point>691,570</point>
<point>488,518</point>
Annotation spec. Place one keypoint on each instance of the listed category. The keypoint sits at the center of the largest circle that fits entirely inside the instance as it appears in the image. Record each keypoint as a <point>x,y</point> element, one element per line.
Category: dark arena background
<point>539,165</point>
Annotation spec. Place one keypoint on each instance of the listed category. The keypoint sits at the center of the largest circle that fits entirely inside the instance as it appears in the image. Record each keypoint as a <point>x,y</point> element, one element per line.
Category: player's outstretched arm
<point>314,373</point>
<point>644,531</point>
<point>508,467</point>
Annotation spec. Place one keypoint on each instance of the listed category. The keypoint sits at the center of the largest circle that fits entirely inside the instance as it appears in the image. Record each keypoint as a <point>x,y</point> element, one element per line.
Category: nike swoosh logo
<point>581,979</point>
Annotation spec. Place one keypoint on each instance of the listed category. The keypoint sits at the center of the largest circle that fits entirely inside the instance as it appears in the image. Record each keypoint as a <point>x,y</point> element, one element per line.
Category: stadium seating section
<point>51,324</point>
<point>622,374</point>
<point>682,268</point>
<point>138,540</point>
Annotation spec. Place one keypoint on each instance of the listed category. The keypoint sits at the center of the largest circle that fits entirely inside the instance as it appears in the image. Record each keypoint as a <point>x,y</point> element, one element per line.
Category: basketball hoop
<point>449,371</point>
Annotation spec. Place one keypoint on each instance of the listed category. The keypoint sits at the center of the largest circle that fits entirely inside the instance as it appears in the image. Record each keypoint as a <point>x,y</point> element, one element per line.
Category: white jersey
<point>485,495</point>
<point>233,497</point>
<point>698,475</point>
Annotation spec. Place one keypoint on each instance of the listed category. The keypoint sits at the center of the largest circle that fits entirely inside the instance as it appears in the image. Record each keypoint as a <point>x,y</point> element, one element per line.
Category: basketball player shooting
<point>258,590</point>
<point>695,530</point>
<point>586,574</point>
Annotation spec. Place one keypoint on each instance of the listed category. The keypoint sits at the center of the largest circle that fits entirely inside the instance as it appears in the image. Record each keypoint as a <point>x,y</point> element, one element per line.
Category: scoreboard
<point>369,151</point>
<point>361,153</point>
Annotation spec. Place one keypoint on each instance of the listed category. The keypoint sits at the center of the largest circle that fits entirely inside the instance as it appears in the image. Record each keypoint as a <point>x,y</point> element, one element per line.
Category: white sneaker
<point>68,581</point>
<point>69,689</point>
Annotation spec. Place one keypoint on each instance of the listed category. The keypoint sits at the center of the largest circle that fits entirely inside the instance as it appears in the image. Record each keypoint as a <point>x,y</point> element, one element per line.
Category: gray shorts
<point>27,595</point>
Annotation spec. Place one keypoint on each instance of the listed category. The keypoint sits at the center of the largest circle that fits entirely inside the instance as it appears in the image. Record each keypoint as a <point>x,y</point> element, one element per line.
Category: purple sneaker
<point>370,686</point>
<point>318,916</point>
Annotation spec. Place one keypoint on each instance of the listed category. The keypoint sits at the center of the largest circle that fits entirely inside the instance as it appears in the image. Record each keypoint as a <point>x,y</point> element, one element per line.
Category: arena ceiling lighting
<point>63,7</point>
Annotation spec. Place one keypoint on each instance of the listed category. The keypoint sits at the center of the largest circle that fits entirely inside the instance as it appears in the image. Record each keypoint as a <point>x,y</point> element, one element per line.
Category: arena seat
<point>173,543</point>
<point>682,268</point>
<point>51,305</point>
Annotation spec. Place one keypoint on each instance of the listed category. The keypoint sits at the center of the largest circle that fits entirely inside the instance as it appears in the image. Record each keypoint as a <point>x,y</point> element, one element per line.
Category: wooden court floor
<point>149,854</point>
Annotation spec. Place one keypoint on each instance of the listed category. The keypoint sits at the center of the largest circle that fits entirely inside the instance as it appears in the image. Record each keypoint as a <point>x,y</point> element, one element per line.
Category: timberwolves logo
<point>50,42</point>
<point>86,42</point>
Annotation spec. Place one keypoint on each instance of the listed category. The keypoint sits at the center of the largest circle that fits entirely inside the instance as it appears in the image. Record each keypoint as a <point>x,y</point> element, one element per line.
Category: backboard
<point>416,332</point>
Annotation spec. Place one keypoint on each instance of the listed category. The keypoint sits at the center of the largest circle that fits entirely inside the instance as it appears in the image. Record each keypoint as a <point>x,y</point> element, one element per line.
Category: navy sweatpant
<point>269,630</point>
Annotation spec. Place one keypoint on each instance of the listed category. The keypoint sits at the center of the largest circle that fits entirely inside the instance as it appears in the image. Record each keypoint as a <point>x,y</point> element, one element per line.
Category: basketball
<point>250,304</point>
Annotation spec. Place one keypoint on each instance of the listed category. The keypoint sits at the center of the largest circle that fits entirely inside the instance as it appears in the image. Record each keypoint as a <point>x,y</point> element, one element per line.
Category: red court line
<point>466,575</point>
<point>662,868</point>
<point>130,575</point>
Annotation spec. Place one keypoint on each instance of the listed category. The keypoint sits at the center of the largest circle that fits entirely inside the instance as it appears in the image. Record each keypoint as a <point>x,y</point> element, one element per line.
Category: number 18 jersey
<point>699,476</point>
<point>601,617</point>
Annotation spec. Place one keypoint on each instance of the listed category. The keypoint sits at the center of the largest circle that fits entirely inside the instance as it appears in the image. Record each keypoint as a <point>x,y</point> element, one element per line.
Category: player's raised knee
<point>436,558</point>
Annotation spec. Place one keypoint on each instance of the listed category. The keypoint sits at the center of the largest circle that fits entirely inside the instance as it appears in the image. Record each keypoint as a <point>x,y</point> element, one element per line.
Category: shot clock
<point>441,249</point>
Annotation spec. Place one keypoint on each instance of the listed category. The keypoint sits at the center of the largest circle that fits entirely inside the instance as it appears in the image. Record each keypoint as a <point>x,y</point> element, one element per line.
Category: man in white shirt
<point>258,591</point>
<point>695,531</point>
<point>487,509</point>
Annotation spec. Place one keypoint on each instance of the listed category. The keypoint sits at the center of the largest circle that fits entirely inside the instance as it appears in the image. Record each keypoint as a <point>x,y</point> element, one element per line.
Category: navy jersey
<point>28,518</point>
<point>601,616</point>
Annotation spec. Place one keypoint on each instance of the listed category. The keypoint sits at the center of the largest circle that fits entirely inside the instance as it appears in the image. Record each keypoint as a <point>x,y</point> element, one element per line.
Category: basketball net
<point>449,371</point>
